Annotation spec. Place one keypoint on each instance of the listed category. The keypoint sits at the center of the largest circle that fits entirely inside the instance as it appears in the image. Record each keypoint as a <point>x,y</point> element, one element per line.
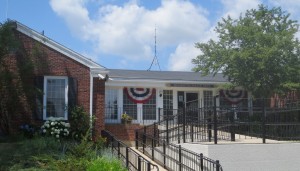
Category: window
<point>55,97</point>
<point>208,99</point>
<point>149,108</point>
<point>168,102</point>
<point>111,104</point>
<point>129,107</point>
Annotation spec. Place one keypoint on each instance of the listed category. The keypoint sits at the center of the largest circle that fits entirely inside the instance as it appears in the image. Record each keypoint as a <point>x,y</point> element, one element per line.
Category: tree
<point>258,51</point>
<point>17,92</point>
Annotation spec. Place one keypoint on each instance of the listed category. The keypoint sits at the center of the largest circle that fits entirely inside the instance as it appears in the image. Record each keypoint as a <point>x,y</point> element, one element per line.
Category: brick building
<point>63,76</point>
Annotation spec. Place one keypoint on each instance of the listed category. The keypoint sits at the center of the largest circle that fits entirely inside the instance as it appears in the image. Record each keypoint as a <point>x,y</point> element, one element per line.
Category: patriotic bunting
<point>233,96</point>
<point>139,95</point>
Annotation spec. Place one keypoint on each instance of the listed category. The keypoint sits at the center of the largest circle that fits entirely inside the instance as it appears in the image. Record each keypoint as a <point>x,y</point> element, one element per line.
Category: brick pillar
<point>98,106</point>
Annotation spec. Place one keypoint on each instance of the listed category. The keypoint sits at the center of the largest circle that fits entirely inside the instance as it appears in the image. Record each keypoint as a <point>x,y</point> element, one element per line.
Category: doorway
<point>189,101</point>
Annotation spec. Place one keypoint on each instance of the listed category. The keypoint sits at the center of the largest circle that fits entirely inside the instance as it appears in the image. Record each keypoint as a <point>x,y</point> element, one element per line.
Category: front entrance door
<point>189,101</point>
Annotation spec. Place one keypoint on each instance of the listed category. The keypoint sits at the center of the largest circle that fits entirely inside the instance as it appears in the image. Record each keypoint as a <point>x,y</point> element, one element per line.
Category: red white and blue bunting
<point>233,96</point>
<point>139,95</point>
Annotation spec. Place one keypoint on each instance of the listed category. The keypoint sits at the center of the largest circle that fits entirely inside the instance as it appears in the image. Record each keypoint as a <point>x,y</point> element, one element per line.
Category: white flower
<point>51,118</point>
<point>47,125</point>
<point>51,133</point>
<point>65,130</point>
<point>44,131</point>
<point>57,136</point>
<point>67,125</point>
<point>52,123</point>
<point>42,126</point>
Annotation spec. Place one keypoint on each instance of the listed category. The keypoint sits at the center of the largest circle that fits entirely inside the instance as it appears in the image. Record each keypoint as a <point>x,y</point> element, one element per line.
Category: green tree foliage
<point>258,52</point>
<point>17,91</point>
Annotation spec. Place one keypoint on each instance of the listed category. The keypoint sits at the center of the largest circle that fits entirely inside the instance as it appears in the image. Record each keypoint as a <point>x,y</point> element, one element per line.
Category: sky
<point>120,34</point>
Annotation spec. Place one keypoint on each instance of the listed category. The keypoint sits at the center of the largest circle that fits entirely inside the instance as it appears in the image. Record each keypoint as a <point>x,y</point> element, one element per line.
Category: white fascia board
<point>151,83</point>
<point>96,71</point>
<point>56,46</point>
<point>166,81</point>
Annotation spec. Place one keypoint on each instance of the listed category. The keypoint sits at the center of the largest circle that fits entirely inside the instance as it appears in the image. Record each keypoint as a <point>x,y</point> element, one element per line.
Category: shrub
<point>56,127</point>
<point>105,164</point>
<point>80,122</point>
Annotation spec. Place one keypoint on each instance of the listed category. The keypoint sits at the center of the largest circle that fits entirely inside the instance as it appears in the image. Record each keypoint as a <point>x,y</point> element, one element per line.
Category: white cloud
<point>292,6</point>
<point>128,30</point>
<point>181,59</point>
<point>75,15</point>
<point>235,7</point>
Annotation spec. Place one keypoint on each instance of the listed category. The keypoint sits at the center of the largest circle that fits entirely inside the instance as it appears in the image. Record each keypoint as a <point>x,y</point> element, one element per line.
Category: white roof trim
<point>58,47</point>
<point>165,81</point>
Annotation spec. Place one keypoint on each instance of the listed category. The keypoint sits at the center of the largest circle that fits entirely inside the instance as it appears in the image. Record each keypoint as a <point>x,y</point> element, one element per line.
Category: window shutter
<point>39,84</point>
<point>72,92</point>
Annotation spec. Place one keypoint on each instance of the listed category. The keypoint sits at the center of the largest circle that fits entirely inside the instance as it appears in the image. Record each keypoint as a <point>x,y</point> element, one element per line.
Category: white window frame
<point>118,108</point>
<point>45,95</point>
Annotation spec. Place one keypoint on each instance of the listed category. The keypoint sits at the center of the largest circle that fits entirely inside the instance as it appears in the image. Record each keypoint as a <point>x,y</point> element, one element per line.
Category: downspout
<point>91,100</point>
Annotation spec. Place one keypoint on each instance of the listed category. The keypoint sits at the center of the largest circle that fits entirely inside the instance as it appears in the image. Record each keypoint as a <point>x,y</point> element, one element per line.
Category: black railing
<point>225,123</point>
<point>130,158</point>
<point>190,125</point>
<point>172,156</point>
<point>276,124</point>
<point>113,115</point>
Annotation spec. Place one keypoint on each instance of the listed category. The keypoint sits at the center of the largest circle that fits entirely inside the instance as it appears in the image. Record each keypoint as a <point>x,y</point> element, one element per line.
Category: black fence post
<point>164,151</point>
<point>215,121</point>
<point>179,158</point>
<point>148,166</point>
<point>264,122</point>
<point>112,144</point>
<point>139,164</point>
<point>127,157</point>
<point>119,152</point>
<point>178,130</point>
<point>154,131</point>
<point>152,152</point>
<point>159,109</point>
<point>209,125</point>
<point>232,127</point>
<point>192,131</point>
<point>217,165</point>
<point>144,142</point>
<point>201,162</point>
<point>184,123</point>
<point>167,126</point>
<point>136,139</point>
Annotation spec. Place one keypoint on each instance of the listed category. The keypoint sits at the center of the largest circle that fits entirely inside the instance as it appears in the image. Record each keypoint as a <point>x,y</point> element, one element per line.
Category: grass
<point>46,153</point>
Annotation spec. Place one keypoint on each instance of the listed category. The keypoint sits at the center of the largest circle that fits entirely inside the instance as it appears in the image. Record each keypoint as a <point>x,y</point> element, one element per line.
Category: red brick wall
<point>98,106</point>
<point>125,132</point>
<point>49,62</point>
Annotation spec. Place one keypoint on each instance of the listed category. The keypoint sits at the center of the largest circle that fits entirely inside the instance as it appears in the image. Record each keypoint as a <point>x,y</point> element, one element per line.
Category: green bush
<point>80,122</point>
<point>105,164</point>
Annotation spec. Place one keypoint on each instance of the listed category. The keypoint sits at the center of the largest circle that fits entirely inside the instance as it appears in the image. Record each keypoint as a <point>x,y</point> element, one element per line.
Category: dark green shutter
<point>72,92</point>
<point>39,84</point>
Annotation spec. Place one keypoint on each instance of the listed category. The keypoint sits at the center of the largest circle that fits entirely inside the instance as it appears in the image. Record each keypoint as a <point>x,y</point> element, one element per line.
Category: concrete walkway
<point>250,154</point>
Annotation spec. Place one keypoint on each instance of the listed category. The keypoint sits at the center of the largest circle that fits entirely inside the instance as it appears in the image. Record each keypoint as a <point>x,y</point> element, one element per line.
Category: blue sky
<point>120,33</point>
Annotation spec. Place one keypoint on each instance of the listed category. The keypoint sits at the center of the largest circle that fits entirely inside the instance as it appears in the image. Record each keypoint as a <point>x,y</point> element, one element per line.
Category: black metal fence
<point>130,158</point>
<point>281,122</point>
<point>172,156</point>
<point>113,115</point>
<point>263,122</point>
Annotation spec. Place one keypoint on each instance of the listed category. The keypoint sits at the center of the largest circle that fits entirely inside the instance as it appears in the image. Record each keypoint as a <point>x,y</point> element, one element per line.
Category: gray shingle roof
<point>120,74</point>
